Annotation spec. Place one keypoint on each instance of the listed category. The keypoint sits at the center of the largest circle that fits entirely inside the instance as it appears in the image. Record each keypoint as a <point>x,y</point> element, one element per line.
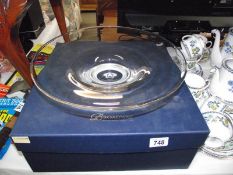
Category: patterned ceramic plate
<point>220,140</point>
<point>214,104</point>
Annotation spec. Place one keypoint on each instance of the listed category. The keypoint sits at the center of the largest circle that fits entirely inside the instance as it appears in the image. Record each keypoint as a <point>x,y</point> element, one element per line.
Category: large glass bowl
<point>111,72</point>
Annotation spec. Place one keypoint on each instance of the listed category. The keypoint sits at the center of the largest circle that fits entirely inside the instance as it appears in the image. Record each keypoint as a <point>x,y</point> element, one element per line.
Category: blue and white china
<point>219,142</point>
<point>227,49</point>
<point>207,43</point>
<point>197,86</point>
<point>193,48</point>
<point>229,110</point>
<point>221,128</point>
<point>213,104</point>
<point>222,82</point>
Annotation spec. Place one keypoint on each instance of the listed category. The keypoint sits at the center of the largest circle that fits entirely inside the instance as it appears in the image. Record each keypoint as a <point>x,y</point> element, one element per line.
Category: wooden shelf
<point>88,7</point>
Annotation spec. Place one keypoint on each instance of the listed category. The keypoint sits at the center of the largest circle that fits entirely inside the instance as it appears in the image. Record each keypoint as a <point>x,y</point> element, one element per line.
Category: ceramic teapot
<point>197,86</point>
<point>217,54</point>
<point>222,82</point>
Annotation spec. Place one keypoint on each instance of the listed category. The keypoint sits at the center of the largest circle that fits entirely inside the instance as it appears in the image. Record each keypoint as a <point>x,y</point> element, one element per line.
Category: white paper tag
<point>19,107</point>
<point>21,139</point>
<point>158,142</point>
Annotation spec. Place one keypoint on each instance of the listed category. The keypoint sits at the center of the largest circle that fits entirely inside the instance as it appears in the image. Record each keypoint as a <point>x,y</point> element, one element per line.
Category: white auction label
<point>19,107</point>
<point>158,142</point>
<point>21,139</point>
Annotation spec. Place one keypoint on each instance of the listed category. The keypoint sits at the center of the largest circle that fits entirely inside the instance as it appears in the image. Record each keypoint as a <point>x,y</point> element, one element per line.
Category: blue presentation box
<point>54,140</point>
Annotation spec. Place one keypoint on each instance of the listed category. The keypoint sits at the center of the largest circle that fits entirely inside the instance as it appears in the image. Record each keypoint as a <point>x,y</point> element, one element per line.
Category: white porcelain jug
<point>222,82</point>
<point>215,56</point>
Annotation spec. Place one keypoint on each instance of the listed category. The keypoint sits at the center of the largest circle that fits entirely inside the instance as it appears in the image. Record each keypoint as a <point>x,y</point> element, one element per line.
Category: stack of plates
<point>220,141</point>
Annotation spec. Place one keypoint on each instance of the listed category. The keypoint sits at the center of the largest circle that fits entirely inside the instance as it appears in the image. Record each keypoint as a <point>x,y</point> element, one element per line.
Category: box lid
<point>42,127</point>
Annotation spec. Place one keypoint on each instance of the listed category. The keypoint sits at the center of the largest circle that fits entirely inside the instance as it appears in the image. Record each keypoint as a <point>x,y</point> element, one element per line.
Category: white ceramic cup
<point>221,129</point>
<point>198,88</point>
<point>194,46</point>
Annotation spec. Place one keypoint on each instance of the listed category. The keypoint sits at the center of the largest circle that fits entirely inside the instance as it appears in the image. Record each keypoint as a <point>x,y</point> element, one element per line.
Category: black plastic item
<point>4,136</point>
<point>32,25</point>
<point>175,18</point>
<point>5,132</point>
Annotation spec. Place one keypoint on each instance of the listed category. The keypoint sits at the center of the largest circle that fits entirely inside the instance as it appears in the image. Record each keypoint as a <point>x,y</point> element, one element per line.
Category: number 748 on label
<point>158,142</point>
